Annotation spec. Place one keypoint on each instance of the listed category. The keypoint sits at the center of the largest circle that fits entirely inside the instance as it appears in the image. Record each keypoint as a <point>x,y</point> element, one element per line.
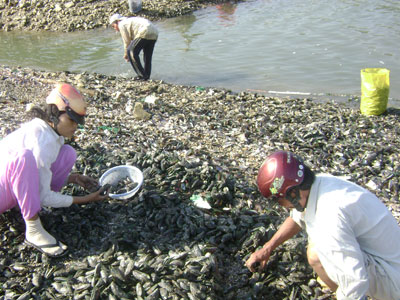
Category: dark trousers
<point>133,51</point>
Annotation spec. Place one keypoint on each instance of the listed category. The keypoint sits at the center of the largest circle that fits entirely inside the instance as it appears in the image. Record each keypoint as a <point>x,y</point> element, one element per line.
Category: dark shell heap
<point>196,142</point>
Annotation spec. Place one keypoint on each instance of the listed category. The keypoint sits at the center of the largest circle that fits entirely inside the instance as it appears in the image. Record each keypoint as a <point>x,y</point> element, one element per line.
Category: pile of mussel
<point>199,142</point>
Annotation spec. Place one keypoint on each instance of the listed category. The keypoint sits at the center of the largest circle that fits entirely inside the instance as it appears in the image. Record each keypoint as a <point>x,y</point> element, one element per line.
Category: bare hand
<point>126,57</point>
<point>93,197</point>
<point>258,260</point>
<point>87,182</point>
<point>101,193</point>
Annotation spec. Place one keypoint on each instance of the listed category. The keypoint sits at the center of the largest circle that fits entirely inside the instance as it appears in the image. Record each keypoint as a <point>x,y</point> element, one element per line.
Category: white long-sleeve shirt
<point>353,233</point>
<point>45,145</point>
<point>136,27</point>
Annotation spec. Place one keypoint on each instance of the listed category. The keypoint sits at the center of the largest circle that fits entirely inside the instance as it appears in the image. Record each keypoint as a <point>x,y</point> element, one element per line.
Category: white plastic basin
<point>118,173</point>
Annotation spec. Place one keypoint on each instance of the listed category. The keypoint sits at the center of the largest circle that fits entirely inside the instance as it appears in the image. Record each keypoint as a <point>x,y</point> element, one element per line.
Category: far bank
<point>70,16</point>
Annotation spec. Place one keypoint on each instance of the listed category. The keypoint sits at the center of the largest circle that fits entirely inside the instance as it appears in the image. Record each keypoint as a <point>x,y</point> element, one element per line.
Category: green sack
<point>374,91</point>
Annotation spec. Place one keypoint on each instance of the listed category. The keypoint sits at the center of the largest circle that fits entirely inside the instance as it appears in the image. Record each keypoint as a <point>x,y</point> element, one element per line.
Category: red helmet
<point>68,99</point>
<point>280,171</point>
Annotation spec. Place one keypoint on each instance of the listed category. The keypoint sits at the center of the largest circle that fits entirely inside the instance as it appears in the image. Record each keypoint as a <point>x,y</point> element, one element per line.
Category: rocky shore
<point>72,15</point>
<point>189,141</point>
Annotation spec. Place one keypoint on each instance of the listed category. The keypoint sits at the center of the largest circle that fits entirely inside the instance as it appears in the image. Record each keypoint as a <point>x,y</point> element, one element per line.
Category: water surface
<point>307,46</point>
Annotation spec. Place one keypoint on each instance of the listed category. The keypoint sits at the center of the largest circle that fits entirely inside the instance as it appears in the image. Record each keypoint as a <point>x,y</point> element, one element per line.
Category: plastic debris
<point>200,88</point>
<point>151,99</point>
<point>112,129</point>
<point>200,202</point>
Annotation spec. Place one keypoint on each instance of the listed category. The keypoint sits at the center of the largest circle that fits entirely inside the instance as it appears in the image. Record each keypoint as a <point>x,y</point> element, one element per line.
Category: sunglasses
<point>74,116</point>
<point>70,112</point>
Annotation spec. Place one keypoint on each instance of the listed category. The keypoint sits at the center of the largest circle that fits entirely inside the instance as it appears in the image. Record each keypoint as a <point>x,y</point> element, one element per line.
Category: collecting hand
<point>87,182</point>
<point>258,260</point>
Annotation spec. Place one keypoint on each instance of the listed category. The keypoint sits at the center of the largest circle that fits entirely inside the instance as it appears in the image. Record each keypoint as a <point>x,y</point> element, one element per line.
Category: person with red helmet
<point>36,164</point>
<point>353,239</point>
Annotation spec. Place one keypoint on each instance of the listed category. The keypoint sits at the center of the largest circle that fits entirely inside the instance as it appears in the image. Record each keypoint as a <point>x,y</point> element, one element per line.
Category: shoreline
<point>68,16</point>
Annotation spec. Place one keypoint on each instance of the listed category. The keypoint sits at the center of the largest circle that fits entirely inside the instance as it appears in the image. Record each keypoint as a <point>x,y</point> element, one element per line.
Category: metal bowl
<point>118,173</point>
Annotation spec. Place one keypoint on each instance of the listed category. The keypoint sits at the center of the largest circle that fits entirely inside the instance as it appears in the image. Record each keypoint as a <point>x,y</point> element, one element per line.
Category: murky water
<point>307,46</point>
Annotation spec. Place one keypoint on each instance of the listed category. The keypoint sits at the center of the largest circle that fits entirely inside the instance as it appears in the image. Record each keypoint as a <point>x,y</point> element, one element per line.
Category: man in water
<point>137,34</point>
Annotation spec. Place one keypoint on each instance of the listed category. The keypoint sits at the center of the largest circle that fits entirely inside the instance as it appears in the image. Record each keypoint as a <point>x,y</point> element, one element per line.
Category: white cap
<point>115,17</point>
